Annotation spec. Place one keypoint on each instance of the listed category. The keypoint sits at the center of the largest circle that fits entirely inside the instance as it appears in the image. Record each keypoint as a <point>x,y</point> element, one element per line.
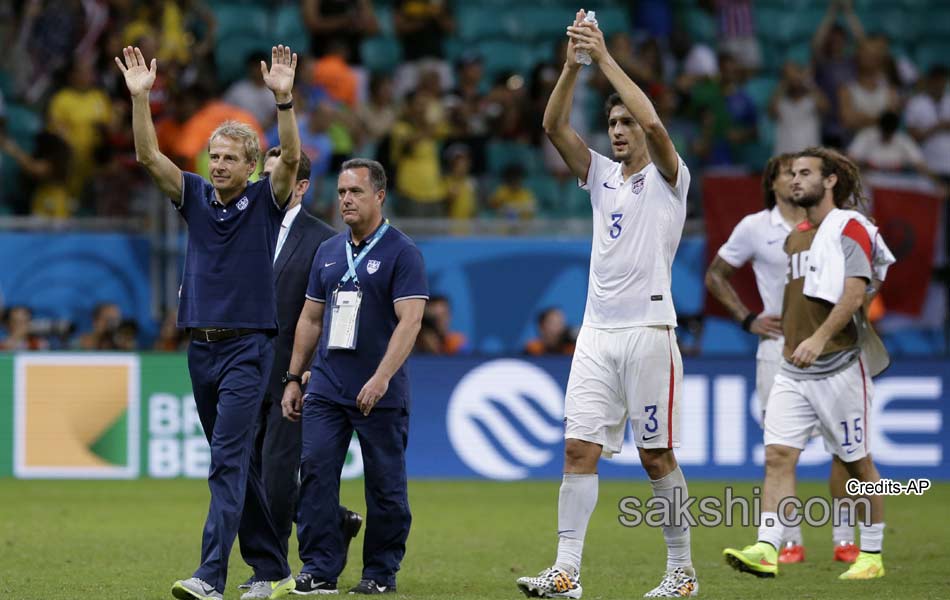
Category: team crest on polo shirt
<point>638,184</point>
<point>242,203</point>
<point>372,266</point>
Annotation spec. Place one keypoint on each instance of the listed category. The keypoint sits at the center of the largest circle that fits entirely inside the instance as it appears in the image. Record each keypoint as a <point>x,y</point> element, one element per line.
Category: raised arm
<point>588,36</point>
<point>557,114</point>
<point>139,78</point>
<point>280,80</point>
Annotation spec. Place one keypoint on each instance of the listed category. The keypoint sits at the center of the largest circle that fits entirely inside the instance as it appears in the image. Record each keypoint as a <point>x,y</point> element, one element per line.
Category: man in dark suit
<point>277,453</point>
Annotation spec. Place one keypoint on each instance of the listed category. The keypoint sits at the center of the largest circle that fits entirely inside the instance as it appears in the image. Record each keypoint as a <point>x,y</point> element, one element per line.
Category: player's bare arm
<point>717,282</point>
<point>280,80</point>
<point>139,78</point>
<point>409,314</point>
<point>851,300</point>
<point>587,36</point>
<point>557,114</point>
<point>306,335</point>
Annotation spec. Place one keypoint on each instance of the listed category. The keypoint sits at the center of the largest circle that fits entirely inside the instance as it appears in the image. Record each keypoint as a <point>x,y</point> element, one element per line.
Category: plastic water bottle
<point>583,56</point>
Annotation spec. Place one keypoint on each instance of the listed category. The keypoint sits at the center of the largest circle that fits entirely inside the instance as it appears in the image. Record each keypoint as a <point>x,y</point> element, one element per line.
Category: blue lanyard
<point>353,263</point>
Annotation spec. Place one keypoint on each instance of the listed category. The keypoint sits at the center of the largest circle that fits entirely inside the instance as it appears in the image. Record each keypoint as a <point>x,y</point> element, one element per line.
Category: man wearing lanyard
<point>365,302</point>
<point>232,234</point>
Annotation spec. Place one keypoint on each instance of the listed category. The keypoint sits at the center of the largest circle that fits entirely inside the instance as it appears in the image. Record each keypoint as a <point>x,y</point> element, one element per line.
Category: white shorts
<point>634,373</point>
<point>837,406</point>
<point>765,372</point>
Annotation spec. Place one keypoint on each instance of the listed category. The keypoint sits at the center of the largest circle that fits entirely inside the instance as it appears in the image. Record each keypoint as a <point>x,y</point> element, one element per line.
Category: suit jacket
<point>291,275</point>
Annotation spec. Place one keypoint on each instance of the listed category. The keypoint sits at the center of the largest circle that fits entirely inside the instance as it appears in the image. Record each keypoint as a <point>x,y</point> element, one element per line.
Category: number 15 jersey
<point>637,228</point>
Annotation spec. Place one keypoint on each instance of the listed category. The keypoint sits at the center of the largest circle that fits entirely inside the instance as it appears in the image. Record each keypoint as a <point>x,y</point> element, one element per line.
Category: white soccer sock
<point>770,529</point>
<point>793,534</point>
<point>843,532</point>
<point>872,537</point>
<point>575,505</point>
<point>676,536</point>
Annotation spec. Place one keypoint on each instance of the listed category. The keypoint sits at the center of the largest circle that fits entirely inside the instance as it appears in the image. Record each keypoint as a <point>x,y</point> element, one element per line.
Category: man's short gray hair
<point>377,175</point>
<point>243,133</point>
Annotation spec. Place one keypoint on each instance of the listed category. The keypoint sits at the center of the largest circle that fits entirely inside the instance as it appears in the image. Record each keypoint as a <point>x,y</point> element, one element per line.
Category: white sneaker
<point>195,589</point>
<point>551,583</point>
<point>677,583</point>
<point>268,590</point>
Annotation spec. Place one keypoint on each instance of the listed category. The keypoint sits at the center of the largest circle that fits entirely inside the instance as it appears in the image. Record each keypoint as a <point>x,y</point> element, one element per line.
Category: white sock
<point>770,529</point>
<point>575,505</point>
<point>676,536</point>
<point>872,537</point>
<point>793,534</point>
<point>843,532</point>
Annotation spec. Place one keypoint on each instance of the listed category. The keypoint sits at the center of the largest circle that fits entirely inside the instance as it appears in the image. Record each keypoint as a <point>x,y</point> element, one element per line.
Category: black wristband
<point>288,377</point>
<point>286,105</point>
<point>747,321</point>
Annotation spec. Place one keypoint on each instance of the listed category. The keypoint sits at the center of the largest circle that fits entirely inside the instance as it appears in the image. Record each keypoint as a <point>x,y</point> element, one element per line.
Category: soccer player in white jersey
<point>626,365</point>
<point>760,239</point>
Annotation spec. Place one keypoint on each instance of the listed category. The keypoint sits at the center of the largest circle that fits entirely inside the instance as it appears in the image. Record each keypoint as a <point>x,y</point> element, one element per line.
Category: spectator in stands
<point>17,321</point>
<point>460,187</point>
<point>106,317</point>
<point>332,72</point>
<point>79,113</point>
<point>736,28</point>
<point>467,108</point>
<point>422,26</point>
<point>192,143</point>
<point>249,93</point>
<point>727,114</point>
<point>415,155</point>
<point>170,338</point>
<point>428,341</point>
<point>164,21</point>
<point>47,35</point>
<point>127,335</point>
<point>554,337</point>
<point>862,101</point>
<point>833,64</point>
<point>439,309</point>
<point>796,107</point>
<point>884,148</point>
<point>512,199</point>
<point>46,170</point>
<point>339,21</point>
<point>378,114</point>
<point>928,120</point>
<point>507,106</point>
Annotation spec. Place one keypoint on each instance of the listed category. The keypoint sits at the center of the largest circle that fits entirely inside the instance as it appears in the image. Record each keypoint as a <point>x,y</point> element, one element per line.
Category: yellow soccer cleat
<point>867,566</point>
<point>759,559</point>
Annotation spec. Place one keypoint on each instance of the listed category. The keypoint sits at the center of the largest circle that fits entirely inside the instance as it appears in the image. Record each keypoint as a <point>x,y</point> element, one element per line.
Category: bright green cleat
<point>760,559</point>
<point>867,566</point>
<point>270,590</point>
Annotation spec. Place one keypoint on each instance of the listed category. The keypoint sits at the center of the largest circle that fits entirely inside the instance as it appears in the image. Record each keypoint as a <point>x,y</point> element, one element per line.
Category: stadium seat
<point>478,22</point>
<point>761,89</point>
<point>384,16</point>
<point>543,24</point>
<point>933,52</point>
<point>700,25</point>
<point>290,30</point>
<point>545,189</point>
<point>381,54</point>
<point>897,23</point>
<point>502,154</point>
<point>935,24</point>
<point>612,19</point>
<point>501,56</point>
<point>241,20</point>
<point>22,125</point>
<point>724,337</point>
<point>231,53</point>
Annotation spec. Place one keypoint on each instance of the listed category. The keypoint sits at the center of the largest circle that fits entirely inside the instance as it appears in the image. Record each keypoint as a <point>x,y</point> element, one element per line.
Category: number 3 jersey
<point>638,223</point>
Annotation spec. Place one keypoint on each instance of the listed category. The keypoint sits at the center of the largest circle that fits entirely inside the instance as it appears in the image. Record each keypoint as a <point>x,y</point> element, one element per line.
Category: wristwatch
<point>288,377</point>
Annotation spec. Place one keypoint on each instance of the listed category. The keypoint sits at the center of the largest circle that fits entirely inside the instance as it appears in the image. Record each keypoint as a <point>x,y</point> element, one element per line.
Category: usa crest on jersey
<point>638,184</point>
<point>372,266</point>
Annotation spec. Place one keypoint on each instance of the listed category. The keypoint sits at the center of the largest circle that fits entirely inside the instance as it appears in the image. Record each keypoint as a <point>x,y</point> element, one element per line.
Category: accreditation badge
<point>344,320</point>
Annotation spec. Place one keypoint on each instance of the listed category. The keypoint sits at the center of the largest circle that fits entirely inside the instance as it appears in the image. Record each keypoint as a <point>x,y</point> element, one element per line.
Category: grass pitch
<point>125,540</point>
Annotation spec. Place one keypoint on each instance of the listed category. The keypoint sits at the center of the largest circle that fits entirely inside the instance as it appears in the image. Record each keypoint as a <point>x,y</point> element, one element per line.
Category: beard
<point>808,198</point>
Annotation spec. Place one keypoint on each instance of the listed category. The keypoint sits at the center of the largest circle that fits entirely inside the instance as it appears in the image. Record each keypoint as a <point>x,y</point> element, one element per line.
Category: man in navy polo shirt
<point>228,304</point>
<point>364,306</point>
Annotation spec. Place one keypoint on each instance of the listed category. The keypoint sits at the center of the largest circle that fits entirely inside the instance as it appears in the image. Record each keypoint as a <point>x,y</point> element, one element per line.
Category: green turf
<point>125,540</point>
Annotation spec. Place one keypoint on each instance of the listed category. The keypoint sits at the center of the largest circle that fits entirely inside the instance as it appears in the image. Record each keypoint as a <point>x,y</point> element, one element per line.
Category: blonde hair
<point>241,132</point>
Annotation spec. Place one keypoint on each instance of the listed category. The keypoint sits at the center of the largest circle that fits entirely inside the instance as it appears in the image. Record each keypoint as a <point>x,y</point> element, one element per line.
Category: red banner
<point>726,200</point>
<point>908,222</point>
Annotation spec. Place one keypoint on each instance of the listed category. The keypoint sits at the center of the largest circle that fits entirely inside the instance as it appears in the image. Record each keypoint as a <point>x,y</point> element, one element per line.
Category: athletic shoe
<point>551,583</point>
<point>368,586</point>
<point>269,590</point>
<point>351,526</point>
<point>791,553</point>
<point>846,552</point>
<point>677,583</point>
<point>867,566</point>
<point>194,588</point>
<point>760,559</point>
<point>307,585</point>
<point>247,584</point>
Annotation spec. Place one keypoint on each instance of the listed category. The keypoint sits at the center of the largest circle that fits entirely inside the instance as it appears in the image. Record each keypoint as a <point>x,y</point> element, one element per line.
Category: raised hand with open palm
<point>139,76</point>
<point>280,78</point>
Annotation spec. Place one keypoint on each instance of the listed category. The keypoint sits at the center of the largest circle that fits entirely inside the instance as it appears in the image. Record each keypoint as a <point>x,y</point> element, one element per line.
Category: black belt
<point>219,335</point>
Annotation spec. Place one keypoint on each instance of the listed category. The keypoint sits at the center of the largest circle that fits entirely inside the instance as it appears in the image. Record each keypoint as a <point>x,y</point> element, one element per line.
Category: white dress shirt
<point>289,217</point>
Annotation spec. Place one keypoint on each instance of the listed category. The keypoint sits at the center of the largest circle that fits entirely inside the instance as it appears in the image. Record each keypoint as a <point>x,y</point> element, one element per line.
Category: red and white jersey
<point>638,223</point>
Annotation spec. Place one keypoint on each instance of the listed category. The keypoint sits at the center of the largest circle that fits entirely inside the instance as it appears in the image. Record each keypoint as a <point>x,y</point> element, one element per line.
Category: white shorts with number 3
<point>634,373</point>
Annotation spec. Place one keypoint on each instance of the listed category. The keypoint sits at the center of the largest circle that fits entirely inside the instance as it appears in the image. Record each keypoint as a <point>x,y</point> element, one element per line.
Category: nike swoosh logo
<point>563,531</point>
<point>608,187</point>
<point>770,242</point>
<point>851,451</point>
<point>329,264</point>
<point>647,439</point>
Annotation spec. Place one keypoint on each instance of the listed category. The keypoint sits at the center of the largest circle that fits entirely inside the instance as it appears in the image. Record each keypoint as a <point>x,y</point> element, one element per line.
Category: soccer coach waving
<point>364,307</point>
<point>228,304</point>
